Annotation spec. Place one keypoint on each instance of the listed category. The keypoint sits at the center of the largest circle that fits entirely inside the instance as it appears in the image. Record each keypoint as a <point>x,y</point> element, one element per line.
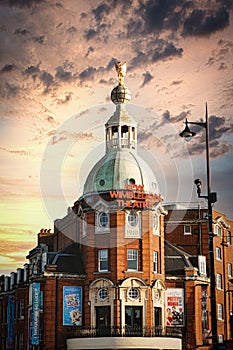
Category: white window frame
<point>189,231</point>
<point>155,262</point>
<point>218,253</point>
<point>156,223</point>
<point>132,255</point>
<point>219,311</point>
<point>217,230</point>
<point>229,270</point>
<point>102,258</point>
<point>84,226</point>
<point>202,265</point>
<point>99,228</point>
<point>228,237</point>
<point>220,338</point>
<point>219,281</point>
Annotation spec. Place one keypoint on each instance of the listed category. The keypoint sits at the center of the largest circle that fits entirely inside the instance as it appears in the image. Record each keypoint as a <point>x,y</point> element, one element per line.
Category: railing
<point>127,331</point>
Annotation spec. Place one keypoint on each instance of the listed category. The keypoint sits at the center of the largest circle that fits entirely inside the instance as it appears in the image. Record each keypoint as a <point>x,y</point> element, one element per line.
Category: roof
<point>115,170</point>
<point>68,260</point>
<point>177,259</point>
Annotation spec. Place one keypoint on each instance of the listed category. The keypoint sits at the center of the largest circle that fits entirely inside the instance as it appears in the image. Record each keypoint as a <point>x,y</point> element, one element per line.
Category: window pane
<point>132,259</point>
<point>103,260</point>
<point>155,261</point>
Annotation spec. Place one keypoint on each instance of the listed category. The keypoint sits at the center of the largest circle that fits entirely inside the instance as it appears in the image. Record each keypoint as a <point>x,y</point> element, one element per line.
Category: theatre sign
<point>133,196</point>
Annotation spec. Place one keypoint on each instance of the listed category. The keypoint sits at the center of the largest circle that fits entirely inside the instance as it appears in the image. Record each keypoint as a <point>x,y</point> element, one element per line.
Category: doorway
<point>103,322</point>
<point>158,320</point>
<point>133,320</point>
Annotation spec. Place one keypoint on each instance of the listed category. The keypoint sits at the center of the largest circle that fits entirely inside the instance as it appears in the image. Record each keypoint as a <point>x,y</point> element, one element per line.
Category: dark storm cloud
<point>63,75</point>
<point>8,68</point>
<point>100,11</point>
<point>87,74</point>
<point>111,63</point>
<point>157,50</point>
<point>166,51</point>
<point>90,34</point>
<point>147,77</point>
<point>218,128</point>
<point>200,23</point>
<point>23,3</point>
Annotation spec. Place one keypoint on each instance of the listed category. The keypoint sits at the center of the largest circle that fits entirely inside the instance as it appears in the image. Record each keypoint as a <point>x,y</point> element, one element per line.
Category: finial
<point>121,71</point>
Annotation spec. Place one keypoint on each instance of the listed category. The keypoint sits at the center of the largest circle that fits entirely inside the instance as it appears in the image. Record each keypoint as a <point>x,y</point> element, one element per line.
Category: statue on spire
<point>121,71</point>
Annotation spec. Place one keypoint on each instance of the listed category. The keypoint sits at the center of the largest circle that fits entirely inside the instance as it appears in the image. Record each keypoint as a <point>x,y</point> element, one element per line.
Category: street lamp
<point>211,198</point>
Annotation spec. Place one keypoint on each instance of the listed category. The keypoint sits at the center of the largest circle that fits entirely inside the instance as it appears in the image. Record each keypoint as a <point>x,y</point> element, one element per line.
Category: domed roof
<point>116,169</point>
<point>120,94</point>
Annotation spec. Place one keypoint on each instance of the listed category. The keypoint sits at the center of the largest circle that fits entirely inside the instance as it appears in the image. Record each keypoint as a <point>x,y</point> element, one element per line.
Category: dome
<point>118,168</point>
<point>120,94</point>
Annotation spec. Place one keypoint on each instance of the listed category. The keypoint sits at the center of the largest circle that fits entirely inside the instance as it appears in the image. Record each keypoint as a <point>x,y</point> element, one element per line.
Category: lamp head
<point>187,133</point>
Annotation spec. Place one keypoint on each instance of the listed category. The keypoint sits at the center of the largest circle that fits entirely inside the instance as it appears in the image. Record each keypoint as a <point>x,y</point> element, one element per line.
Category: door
<point>103,322</point>
<point>158,320</point>
<point>133,320</point>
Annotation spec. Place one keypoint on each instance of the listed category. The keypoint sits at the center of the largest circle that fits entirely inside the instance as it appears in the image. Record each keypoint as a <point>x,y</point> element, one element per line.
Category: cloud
<point>147,77</point>
<point>23,3</point>
<point>8,68</point>
<point>200,23</point>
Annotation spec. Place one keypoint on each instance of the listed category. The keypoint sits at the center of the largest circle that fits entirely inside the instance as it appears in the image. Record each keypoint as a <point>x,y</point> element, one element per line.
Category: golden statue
<point>121,71</point>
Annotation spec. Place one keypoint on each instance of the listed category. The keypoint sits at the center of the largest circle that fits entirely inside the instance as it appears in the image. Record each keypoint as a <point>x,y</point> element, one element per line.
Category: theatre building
<point>105,278</point>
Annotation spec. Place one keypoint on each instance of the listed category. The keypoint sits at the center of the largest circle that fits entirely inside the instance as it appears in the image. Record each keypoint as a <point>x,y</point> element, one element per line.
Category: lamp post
<point>211,198</point>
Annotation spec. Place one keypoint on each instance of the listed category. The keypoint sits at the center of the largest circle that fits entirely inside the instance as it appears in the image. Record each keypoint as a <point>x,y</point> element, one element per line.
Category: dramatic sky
<point>56,75</point>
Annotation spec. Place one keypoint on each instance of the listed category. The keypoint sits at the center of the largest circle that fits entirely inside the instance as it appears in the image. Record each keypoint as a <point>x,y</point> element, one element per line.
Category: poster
<point>204,322</point>
<point>72,305</point>
<point>175,307</point>
<point>10,322</point>
<point>36,313</point>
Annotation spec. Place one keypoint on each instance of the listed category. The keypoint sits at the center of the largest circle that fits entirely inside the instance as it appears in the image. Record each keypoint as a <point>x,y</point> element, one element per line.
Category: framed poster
<point>175,307</point>
<point>72,305</point>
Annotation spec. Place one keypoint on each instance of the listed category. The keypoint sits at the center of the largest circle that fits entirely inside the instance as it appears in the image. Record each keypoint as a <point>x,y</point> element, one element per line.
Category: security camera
<point>198,184</point>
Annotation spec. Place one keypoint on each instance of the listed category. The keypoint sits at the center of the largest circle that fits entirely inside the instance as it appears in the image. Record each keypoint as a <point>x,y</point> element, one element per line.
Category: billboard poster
<point>36,313</point>
<point>10,322</point>
<point>204,323</point>
<point>72,305</point>
<point>175,307</point>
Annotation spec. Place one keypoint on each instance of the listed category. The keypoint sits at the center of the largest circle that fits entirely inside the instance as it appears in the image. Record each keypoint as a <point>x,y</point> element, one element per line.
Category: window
<point>202,265</point>
<point>156,227</point>
<point>218,253</point>
<point>102,294</point>
<point>103,260</point>
<point>132,259</point>
<point>155,262</point>
<point>21,308</point>
<point>220,338</point>
<point>219,311</point>
<point>228,237</point>
<point>218,281</point>
<point>187,230</point>
<point>132,218</point>
<point>229,270</point>
<point>103,220</point>
<point>133,293</point>
<point>217,230</point>
<point>84,226</point>
<point>21,341</point>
